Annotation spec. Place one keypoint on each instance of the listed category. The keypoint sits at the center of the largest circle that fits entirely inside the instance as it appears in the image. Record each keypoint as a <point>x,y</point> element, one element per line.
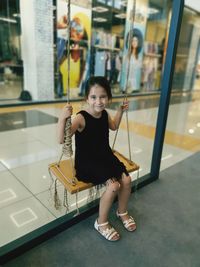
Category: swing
<point>63,170</point>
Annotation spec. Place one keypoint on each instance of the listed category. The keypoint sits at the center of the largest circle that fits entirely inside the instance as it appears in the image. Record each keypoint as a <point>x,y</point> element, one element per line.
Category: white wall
<point>37,48</point>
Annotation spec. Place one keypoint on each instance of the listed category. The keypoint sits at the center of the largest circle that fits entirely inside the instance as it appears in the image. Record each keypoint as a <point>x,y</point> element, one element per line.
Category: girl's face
<point>134,42</point>
<point>97,99</point>
<point>77,30</point>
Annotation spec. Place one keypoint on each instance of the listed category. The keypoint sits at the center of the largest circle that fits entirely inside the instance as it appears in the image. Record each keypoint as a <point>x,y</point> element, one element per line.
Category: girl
<point>135,64</point>
<point>94,159</point>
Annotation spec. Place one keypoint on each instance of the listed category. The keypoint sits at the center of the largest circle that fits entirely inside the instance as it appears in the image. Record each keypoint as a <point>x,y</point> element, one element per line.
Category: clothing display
<point>86,74</point>
<point>100,63</point>
<point>134,73</point>
<point>107,40</point>
<point>94,159</point>
<point>150,78</point>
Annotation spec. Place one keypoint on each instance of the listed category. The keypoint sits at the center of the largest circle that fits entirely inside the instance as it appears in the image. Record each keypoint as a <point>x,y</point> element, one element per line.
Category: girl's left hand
<point>125,105</point>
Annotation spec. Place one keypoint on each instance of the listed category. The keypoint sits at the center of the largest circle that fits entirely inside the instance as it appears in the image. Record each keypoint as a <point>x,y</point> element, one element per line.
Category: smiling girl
<point>94,158</point>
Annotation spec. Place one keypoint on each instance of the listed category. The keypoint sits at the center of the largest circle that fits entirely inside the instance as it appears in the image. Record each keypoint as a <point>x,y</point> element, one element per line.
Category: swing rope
<point>132,19</point>
<point>67,144</point>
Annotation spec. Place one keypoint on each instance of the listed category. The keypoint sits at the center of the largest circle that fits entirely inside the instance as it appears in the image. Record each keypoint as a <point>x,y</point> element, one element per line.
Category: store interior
<point>100,49</point>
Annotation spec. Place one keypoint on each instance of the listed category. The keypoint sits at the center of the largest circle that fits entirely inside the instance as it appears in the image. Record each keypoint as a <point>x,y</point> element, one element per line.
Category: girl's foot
<point>107,231</point>
<point>127,221</point>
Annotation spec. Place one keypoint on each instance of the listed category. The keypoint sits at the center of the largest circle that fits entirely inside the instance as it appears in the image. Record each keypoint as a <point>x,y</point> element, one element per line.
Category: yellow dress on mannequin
<point>74,73</point>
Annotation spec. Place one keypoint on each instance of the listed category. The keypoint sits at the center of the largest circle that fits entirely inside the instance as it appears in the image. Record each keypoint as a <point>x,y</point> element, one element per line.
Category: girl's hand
<point>66,112</point>
<point>125,105</point>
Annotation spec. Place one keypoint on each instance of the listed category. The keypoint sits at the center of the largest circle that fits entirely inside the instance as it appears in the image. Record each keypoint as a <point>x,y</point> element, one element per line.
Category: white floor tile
<point>26,153</point>
<point>21,218</point>
<point>186,119</point>
<point>11,190</point>
<point>14,137</point>
<point>35,176</point>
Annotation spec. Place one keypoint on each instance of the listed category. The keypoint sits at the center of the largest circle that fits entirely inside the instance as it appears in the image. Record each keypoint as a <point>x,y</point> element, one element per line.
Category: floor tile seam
<point>15,202</point>
<point>25,199</point>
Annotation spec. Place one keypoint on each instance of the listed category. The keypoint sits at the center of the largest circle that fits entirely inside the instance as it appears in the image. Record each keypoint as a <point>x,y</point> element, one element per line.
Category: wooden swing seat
<point>64,169</point>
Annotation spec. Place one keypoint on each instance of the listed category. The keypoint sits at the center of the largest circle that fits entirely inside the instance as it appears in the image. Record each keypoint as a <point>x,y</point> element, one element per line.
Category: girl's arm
<point>115,122</point>
<point>77,123</point>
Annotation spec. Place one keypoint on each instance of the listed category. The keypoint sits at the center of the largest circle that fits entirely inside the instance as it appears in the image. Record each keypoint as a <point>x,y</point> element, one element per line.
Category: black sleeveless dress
<point>94,159</point>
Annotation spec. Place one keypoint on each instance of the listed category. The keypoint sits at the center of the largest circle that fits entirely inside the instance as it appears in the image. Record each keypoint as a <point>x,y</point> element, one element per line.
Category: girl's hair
<point>135,33</point>
<point>98,80</point>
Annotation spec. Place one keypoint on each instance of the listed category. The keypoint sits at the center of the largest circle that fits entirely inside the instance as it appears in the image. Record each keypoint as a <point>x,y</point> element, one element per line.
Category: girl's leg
<point>107,198</point>
<point>124,193</point>
<point>106,201</point>
<point>123,197</point>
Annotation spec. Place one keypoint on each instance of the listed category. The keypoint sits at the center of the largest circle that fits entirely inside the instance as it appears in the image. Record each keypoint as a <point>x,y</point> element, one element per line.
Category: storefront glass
<point>11,67</point>
<point>187,59</point>
<point>105,47</point>
<point>99,45</point>
<point>182,132</point>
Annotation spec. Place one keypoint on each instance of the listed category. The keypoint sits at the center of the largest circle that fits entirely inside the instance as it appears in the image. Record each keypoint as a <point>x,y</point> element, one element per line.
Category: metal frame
<point>166,85</point>
<point>36,237</point>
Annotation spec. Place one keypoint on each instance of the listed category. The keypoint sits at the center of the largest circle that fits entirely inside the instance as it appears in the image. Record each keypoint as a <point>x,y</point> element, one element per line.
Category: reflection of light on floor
<point>29,158</point>
<point>137,150</point>
<point>7,195</point>
<point>191,131</point>
<point>17,216</point>
<point>17,122</point>
<point>167,157</point>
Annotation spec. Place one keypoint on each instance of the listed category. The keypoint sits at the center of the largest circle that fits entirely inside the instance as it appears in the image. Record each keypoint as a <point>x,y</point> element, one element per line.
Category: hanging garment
<point>134,73</point>
<point>100,63</point>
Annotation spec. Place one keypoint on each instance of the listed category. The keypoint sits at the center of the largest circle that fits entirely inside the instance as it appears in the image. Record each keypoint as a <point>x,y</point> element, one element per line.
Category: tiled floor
<point>26,199</point>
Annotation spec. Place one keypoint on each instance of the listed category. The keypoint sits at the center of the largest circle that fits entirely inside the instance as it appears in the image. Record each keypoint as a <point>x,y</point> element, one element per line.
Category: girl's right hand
<point>66,112</point>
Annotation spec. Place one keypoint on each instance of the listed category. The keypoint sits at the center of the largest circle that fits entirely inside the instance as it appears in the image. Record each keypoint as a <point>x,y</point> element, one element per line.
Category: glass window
<point>106,40</point>
<point>11,67</point>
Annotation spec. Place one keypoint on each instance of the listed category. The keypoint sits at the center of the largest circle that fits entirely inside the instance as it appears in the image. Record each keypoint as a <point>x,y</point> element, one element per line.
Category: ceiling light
<point>191,131</point>
<point>100,9</point>
<point>152,11</point>
<point>16,15</point>
<point>121,16</point>
<point>99,19</point>
<point>123,3</point>
<point>8,20</point>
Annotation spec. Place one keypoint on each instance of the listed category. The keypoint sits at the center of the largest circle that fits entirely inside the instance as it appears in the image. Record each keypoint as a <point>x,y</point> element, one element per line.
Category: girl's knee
<point>126,180</point>
<point>113,185</point>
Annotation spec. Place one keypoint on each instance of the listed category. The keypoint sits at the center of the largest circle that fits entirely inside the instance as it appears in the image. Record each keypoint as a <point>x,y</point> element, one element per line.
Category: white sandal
<point>127,223</point>
<point>108,233</point>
